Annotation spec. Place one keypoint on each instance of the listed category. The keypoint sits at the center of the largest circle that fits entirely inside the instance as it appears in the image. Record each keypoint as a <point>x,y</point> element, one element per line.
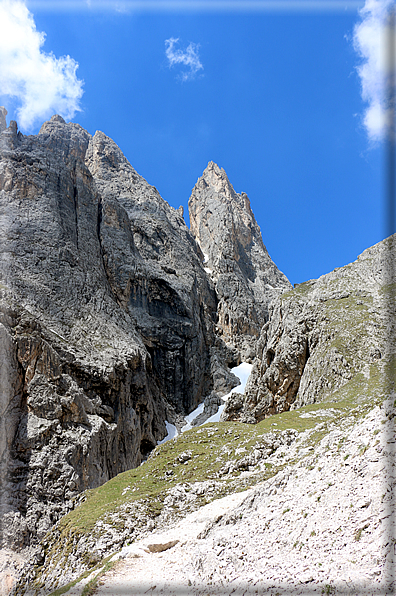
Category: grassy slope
<point>210,446</point>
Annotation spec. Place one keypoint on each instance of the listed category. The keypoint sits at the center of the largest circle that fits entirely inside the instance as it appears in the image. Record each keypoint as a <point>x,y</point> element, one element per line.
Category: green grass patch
<point>211,446</point>
<point>300,290</point>
<point>91,586</point>
<point>388,291</point>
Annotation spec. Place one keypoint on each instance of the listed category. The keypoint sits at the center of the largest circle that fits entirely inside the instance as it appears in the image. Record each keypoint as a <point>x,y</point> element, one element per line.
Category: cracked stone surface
<point>320,336</point>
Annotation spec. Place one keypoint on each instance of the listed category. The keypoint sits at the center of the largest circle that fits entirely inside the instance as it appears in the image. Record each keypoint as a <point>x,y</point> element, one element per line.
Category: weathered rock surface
<point>245,277</point>
<point>154,271</point>
<point>211,405</point>
<point>3,122</point>
<point>320,336</point>
<point>327,512</point>
<point>329,517</point>
<point>106,321</point>
<point>107,329</point>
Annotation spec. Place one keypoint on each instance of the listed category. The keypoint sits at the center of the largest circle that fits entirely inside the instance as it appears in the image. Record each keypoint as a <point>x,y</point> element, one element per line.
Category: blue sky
<point>274,96</point>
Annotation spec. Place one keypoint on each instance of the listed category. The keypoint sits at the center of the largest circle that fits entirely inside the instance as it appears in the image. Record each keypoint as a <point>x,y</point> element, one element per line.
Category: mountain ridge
<point>108,321</point>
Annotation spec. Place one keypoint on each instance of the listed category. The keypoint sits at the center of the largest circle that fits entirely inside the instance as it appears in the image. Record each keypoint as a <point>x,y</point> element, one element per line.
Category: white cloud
<point>371,41</point>
<point>41,83</point>
<point>188,57</point>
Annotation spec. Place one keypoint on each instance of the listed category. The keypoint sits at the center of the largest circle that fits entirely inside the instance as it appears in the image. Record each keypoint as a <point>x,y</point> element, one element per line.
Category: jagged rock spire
<point>245,277</point>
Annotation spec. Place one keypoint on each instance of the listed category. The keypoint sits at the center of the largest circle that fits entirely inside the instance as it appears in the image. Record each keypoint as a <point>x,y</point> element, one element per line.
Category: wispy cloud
<point>371,41</point>
<point>186,58</point>
<point>40,83</point>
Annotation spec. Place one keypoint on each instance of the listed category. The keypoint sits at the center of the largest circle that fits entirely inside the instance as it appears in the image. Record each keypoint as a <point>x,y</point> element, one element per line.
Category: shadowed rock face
<point>105,321</point>
<point>153,268</point>
<point>322,335</point>
<point>245,277</point>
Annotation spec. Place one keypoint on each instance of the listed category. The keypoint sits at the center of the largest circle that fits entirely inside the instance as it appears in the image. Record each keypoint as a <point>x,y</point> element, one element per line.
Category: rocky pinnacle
<point>245,277</point>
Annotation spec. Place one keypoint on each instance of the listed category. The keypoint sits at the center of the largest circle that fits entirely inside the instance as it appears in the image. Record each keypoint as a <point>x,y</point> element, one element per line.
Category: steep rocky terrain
<point>324,474</point>
<point>116,320</point>
<point>151,264</point>
<point>107,321</point>
<point>245,277</point>
<point>322,525</point>
<point>322,335</point>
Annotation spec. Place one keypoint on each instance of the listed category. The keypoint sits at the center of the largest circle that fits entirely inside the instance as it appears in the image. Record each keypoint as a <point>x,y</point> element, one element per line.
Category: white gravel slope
<point>323,525</point>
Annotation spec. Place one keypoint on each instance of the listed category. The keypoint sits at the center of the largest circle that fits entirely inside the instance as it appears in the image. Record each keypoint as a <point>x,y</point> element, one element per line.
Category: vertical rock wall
<point>153,268</point>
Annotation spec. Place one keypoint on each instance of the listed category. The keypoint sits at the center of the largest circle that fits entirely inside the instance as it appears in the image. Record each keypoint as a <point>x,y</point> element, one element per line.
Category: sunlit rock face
<point>245,277</point>
<point>323,335</point>
<point>106,320</point>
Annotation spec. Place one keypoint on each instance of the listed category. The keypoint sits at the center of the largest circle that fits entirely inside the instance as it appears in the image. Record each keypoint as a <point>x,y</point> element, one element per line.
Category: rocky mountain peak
<point>114,326</point>
<point>245,277</point>
<point>69,139</point>
<point>106,321</point>
<point>105,155</point>
<point>217,178</point>
<point>215,187</point>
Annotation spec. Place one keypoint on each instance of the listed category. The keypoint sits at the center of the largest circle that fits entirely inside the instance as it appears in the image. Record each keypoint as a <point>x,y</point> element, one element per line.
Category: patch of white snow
<point>172,432</point>
<point>242,372</point>
<point>192,417</point>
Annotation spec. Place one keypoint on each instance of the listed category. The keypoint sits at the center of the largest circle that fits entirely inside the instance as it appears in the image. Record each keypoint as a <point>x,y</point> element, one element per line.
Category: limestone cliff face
<point>320,336</point>
<point>245,277</point>
<point>105,321</point>
<point>153,268</point>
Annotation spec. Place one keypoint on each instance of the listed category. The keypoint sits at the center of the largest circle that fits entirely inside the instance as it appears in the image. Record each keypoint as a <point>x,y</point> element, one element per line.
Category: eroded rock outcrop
<point>320,336</point>
<point>245,277</point>
<point>3,122</point>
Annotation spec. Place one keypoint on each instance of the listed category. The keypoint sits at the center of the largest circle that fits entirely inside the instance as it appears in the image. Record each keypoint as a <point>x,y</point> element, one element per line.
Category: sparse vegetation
<point>146,487</point>
<point>358,533</point>
<point>91,586</point>
<point>105,563</point>
<point>137,496</point>
<point>328,589</point>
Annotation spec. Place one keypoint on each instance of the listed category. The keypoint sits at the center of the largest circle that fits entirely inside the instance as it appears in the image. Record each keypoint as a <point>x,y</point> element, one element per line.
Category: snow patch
<point>172,432</point>
<point>192,417</point>
<point>242,372</point>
